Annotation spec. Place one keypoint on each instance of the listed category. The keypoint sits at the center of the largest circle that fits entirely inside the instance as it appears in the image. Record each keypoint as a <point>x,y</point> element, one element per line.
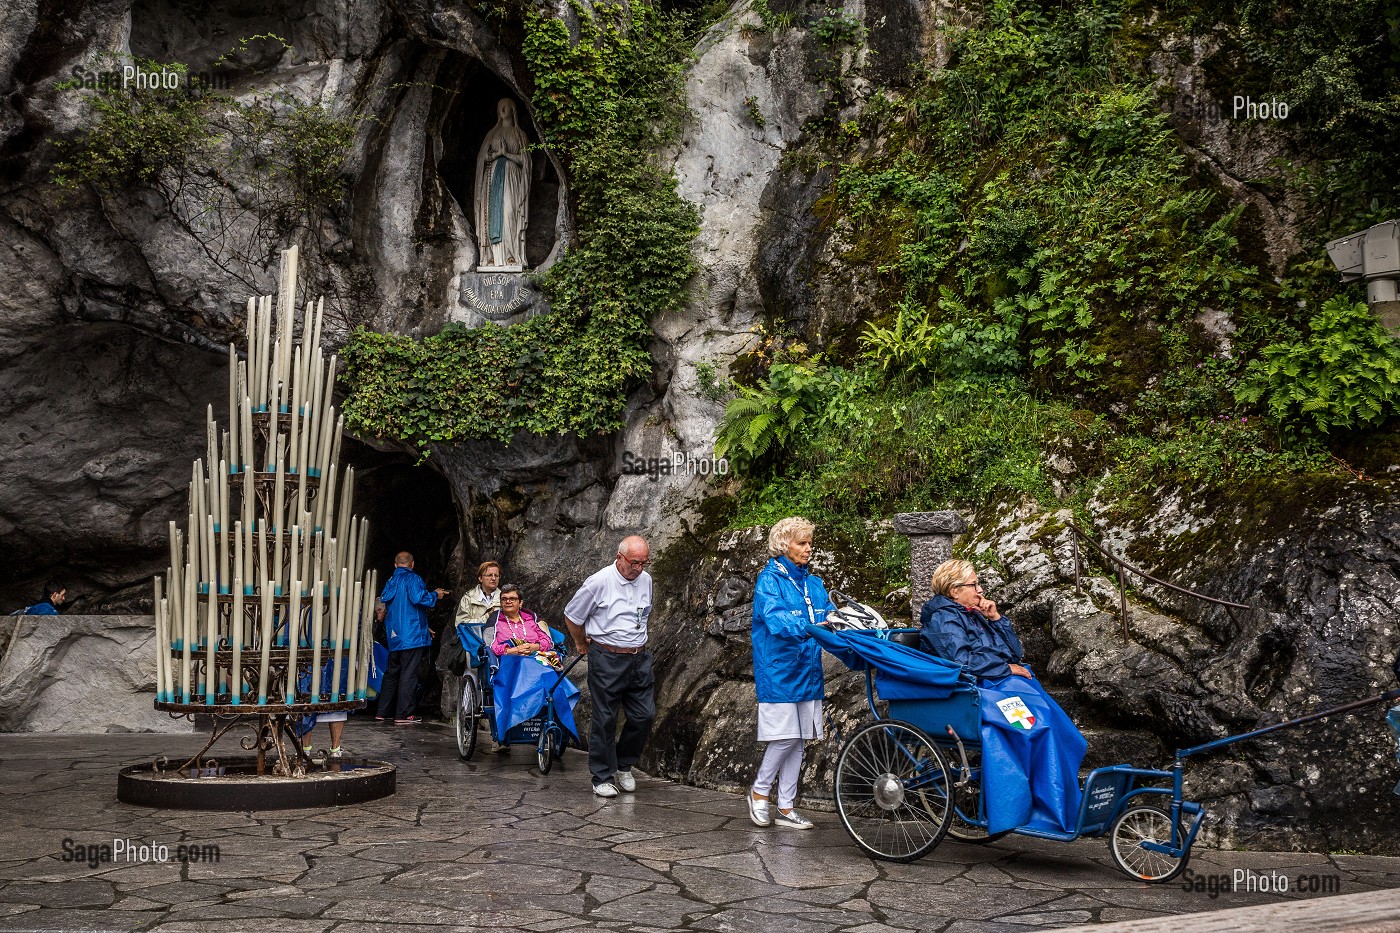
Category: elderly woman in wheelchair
<point>959,623</point>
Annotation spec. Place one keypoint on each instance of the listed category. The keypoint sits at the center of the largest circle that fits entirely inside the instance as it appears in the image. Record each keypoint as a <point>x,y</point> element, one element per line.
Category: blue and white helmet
<point>854,614</point>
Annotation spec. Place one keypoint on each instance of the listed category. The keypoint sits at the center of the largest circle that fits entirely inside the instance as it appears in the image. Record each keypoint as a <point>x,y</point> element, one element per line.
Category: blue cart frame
<point>543,731</point>
<point>898,795</point>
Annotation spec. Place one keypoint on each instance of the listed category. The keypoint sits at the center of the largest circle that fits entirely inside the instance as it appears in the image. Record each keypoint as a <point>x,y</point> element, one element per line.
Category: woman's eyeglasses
<point>974,583</point>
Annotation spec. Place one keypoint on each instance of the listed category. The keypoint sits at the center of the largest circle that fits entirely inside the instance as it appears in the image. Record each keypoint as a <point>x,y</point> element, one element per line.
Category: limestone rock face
<point>81,674</point>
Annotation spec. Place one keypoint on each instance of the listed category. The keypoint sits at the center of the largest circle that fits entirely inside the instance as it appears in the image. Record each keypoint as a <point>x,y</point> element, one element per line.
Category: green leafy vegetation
<point>1065,284</point>
<point>237,174</point>
<point>1344,374</point>
<point>605,103</point>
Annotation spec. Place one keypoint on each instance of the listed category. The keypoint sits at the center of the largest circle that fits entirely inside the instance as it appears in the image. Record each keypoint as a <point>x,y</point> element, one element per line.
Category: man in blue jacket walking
<point>406,603</point>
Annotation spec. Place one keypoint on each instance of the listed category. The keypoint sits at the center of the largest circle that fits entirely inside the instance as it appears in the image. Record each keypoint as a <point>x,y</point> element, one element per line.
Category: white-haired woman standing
<point>787,668</point>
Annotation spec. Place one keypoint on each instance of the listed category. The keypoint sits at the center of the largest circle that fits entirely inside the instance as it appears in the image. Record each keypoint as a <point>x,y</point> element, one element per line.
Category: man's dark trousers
<point>626,681</point>
<point>399,691</point>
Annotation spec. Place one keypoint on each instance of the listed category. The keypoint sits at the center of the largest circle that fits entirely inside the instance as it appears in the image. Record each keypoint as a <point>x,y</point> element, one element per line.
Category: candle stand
<point>264,616</point>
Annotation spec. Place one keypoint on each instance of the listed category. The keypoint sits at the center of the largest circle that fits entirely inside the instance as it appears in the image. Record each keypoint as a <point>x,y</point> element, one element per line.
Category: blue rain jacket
<point>984,648</point>
<point>44,608</point>
<point>787,664</point>
<point>406,604</point>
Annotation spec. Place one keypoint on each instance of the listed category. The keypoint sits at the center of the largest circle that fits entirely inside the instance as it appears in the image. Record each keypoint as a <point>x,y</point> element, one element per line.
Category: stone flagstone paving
<point>492,844</point>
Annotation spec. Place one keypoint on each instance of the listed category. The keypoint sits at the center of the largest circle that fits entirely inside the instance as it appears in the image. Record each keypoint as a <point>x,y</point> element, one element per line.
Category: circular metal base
<point>235,785</point>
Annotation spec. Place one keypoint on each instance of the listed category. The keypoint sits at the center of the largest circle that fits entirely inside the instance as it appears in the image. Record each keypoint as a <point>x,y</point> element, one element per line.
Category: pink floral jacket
<point>509,634</point>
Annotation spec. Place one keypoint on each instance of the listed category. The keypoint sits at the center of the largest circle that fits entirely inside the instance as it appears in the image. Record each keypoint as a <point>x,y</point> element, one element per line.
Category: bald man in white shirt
<point>607,619</point>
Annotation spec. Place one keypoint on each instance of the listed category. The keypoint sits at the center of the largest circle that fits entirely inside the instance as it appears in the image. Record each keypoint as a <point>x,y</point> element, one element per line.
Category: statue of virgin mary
<point>502,194</point>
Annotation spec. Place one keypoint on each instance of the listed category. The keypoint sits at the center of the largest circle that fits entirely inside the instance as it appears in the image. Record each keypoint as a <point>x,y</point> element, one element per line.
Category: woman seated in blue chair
<point>1031,750</point>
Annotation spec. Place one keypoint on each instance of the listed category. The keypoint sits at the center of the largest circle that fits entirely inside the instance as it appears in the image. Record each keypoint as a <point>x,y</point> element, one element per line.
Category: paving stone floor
<point>492,844</point>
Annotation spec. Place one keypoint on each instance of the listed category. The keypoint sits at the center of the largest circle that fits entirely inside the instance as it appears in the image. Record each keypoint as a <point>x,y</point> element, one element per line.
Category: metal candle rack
<point>265,589</point>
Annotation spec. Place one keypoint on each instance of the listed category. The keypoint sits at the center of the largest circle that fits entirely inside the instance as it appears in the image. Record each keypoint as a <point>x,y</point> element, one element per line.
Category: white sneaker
<point>605,790</point>
<point>336,752</point>
<point>758,811</point>
<point>625,781</point>
<point>792,820</point>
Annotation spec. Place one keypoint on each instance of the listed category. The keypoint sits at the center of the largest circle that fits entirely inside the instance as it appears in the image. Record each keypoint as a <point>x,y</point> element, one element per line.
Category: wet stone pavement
<point>492,844</point>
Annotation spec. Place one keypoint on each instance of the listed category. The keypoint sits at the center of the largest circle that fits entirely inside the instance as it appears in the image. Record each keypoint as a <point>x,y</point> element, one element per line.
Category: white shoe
<point>792,820</point>
<point>605,790</point>
<point>758,811</point>
<point>336,752</point>
<point>625,781</point>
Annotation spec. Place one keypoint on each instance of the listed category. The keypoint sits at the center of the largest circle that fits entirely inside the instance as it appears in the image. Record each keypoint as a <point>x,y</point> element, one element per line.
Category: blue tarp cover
<point>521,684</point>
<point>901,672</point>
<point>1031,750</point>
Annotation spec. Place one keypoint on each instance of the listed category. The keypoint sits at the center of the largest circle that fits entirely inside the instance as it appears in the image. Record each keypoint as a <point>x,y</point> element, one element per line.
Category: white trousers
<point>782,763</point>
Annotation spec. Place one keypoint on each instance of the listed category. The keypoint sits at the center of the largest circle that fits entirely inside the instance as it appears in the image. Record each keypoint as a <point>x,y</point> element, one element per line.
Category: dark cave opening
<point>410,508</point>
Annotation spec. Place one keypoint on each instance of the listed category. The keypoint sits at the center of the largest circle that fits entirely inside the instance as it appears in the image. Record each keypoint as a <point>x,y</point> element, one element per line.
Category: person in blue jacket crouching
<point>787,668</point>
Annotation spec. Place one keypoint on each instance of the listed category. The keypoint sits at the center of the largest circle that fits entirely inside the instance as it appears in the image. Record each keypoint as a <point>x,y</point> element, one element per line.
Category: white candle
<point>233,396</point>
<point>162,652</point>
<point>335,447</point>
<point>264,393</point>
<point>316,332</point>
<point>279,498</point>
<point>188,636</point>
<point>328,413</point>
<point>174,622</point>
<point>240,573</point>
<point>211,634</point>
<point>266,639</point>
<point>223,529</point>
<point>293,638</point>
<point>351,652</point>
<point>316,640</point>
<point>293,464</point>
<point>301,460</point>
<point>211,438</point>
<point>367,633</point>
<point>250,336</point>
<point>324,500</point>
<point>347,503</point>
<point>342,600</point>
<point>240,458</point>
<point>278,534</point>
<point>236,639</point>
<point>363,545</point>
<point>314,414</point>
<point>250,451</point>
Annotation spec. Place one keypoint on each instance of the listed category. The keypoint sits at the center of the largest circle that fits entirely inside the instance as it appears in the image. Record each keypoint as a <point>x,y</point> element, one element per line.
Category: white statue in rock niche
<point>503,193</point>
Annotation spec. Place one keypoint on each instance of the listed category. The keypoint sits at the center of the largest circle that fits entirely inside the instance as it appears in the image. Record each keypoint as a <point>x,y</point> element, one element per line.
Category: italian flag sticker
<point>1016,713</point>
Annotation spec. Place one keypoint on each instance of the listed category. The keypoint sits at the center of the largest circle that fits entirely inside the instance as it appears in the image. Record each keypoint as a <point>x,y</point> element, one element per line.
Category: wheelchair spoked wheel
<point>468,709</point>
<point>967,802</point>
<point>892,791</point>
<point>547,750</point>
<point>1130,830</point>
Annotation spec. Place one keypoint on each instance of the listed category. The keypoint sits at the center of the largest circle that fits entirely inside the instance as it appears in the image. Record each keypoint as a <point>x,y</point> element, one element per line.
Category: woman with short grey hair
<point>787,668</point>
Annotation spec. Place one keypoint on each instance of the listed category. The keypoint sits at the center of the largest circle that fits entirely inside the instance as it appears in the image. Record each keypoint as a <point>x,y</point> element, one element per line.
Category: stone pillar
<point>931,536</point>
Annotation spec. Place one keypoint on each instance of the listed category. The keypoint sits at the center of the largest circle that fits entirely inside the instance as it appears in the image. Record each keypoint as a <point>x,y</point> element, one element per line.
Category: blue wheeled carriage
<point>908,779</point>
<point>548,726</point>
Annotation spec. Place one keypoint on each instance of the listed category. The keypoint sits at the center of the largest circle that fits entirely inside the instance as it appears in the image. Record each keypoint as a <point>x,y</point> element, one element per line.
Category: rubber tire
<point>898,750</point>
<point>468,710</point>
<point>1122,842</point>
<point>547,749</point>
